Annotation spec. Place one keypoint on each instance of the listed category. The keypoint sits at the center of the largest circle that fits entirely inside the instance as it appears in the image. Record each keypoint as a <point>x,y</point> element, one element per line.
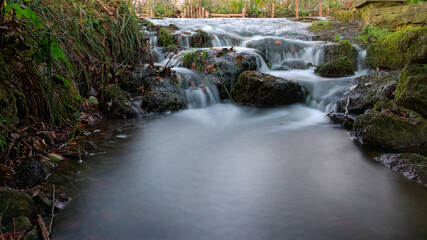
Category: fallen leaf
<point>278,42</point>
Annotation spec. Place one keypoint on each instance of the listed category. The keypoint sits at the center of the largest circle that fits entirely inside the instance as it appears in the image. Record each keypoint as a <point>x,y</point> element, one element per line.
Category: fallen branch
<point>42,225</point>
<point>53,209</point>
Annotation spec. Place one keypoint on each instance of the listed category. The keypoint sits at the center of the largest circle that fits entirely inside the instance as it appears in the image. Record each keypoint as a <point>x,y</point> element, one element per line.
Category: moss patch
<point>320,26</point>
<point>399,48</point>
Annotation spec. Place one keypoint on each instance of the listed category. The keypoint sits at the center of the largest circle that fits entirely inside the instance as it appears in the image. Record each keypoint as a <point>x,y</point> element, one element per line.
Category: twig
<point>346,107</point>
<point>53,209</point>
<point>42,226</point>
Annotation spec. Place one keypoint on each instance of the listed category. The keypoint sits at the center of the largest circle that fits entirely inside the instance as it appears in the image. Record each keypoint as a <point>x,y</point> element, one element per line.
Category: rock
<point>34,234</point>
<point>18,224</point>
<point>129,82</point>
<point>200,40</point>
<point>340,67</point>
<point>254,88</point>
<point>163,96</point>
<point>412,88</point>
<point>413,166</point>
<point>342,120</point>
<point>393,17</point>
<point>343,49</point>
<point>14,204</point>
<point>369,90</point>
<point>391,126</point>
<point>117,103</point>
<point>407,46</point>
<point>223,66</point>
<point>35,171</point>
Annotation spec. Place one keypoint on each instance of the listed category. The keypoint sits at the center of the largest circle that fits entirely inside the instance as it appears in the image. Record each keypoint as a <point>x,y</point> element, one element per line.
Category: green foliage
<point>66,47</point>
<point>371,34</point>
<point>165,38</point>
<point>414,1</point>
<point>320,26</point>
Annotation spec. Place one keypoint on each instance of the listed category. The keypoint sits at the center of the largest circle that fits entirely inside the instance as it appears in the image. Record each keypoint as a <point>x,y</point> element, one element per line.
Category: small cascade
<point>198,91</point>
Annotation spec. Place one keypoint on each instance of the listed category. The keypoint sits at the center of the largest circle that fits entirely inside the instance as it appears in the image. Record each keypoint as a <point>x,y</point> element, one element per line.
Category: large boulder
<point>412,88</point>
<point>259,89</point>
<point>117,103</point>
<point>14,204</point>
<point>163,95</point>
<point>369,89</point>
<point>396,49</point>
<point>391,126</point>
<point>411,165</point>
<point>335,51</point>
<point>340,67</point>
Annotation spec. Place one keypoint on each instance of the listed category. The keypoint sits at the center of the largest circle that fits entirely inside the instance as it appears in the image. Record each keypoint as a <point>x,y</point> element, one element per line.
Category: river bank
<point>210,75</point>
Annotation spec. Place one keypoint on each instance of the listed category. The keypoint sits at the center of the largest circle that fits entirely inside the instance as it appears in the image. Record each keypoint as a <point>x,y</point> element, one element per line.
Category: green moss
<point>337,68</point>
<point>14,204</point>
<point>9,99</point>
<point>200,40</point>
<point>165,38</point>
<point>364,13</point>
<point>198,58</point>
<point>399,48</point>
<point>414,158</point>
<point>412,88</point>
<point>320,26</point>
<point>345,16</point>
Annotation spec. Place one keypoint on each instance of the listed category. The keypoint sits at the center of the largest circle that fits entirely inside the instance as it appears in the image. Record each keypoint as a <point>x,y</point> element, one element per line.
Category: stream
<point>217,170</point>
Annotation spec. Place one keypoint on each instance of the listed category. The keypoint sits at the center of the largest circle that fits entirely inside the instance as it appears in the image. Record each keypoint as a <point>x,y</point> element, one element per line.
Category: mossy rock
<point>412,88</point>
<point>18,224</point>
<point>165,38</point>
<point>342,49</point>
<point>391,126</point>
<point>364,15</point>
<point>14,204</point>
<point>340,67</point>
<point>399,48</point>
<point>200,40</point>
<point>117,104</point>
<point>33,234</point>
<point>259,89</point>
<point>413,166</point>
<point>369,89</point>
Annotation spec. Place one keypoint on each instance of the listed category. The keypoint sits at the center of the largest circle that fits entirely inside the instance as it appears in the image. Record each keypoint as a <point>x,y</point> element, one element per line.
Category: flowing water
<point>221,171</point>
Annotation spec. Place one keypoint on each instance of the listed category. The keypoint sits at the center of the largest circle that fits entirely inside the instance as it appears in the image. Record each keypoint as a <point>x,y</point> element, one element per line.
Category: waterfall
<point>198,91</point>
